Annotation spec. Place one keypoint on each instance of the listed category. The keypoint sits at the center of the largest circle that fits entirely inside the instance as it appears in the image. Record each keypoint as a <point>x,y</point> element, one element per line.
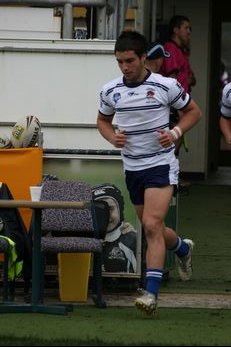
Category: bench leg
<point>97,281</point>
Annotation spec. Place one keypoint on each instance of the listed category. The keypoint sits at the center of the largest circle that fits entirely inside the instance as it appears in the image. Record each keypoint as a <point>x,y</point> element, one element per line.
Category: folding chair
<point>72,230</point>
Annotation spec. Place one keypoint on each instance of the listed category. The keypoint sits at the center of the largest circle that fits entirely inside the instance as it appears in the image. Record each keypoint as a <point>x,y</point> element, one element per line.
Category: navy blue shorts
<point>155,177</point>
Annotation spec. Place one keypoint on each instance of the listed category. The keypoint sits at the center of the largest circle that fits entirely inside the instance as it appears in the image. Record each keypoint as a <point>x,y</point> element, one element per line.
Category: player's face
<point>132,66</point>
<point>184,34</point>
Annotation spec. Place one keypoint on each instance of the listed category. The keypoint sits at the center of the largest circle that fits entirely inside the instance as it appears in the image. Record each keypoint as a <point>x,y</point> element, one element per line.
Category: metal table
<point>36,305</point>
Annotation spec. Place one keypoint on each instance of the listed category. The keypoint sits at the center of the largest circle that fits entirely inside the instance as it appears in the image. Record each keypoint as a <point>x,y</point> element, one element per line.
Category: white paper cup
<point>35,192</point>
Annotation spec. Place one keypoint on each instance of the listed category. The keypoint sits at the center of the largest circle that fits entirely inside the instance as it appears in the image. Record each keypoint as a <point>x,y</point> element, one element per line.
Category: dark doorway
<point>218,155</point>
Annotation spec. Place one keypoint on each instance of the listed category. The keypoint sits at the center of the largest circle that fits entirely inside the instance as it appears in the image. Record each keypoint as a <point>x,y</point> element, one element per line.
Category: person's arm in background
<point>225,126</point>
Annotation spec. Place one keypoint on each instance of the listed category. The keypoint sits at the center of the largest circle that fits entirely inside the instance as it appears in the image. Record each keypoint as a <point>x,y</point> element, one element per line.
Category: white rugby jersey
<point>226,101</point>
<point>140,110</point>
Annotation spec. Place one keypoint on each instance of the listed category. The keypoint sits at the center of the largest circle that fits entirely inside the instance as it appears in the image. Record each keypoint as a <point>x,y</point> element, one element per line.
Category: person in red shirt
<point>178,64</point>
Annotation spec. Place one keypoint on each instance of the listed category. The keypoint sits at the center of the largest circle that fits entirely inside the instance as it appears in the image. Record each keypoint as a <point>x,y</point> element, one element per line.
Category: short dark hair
<point>175,22</point>
<point>131,41</point>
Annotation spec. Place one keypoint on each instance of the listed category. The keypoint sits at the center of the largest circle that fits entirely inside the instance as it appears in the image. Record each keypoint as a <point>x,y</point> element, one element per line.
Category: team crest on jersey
<point>150,95</point>
<point>116,97</point>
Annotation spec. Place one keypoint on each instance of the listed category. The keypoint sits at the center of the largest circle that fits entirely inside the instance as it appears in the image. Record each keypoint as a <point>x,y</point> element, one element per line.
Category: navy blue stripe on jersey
<point>137,108</point>
<point>145,131</point>
<point>186,104</point>
<point>226,106</point>
<point>228,93</point>
<point>150,154</point>
<point>176,98</point>
<point>104,102</point>
<point>154,84</point>
<point>106,115</point>
<point>110,90</point>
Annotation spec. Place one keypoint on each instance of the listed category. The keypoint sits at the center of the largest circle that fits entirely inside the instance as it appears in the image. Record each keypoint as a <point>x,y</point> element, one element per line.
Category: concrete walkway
<point>222,301</point>
<point>181,300</point>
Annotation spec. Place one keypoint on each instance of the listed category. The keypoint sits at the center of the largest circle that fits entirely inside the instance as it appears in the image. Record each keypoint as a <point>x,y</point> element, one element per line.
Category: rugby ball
<point>4,141</point>
<point>25,132</point>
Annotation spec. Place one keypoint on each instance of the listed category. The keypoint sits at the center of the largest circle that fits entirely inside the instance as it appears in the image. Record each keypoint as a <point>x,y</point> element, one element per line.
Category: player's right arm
<point>107,130</point>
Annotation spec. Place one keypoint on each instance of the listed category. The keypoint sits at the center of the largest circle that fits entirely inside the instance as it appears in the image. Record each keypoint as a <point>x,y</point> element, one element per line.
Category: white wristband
<point>174,134</point>
<point>178,130</point>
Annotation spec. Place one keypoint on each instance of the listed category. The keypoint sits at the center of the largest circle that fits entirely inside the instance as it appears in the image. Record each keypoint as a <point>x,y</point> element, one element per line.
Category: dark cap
<point>156,50</point>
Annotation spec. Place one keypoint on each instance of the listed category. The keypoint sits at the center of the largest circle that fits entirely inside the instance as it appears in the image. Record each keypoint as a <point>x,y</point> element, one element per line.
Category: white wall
<point>29,22</point>
<point>60,82</point>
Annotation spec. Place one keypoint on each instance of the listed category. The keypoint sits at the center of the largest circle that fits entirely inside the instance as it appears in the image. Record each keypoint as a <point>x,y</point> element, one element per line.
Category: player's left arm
<point>190,116</point>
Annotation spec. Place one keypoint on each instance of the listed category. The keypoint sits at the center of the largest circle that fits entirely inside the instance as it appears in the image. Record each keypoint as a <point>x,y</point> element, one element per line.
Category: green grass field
<point>89,326</point>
